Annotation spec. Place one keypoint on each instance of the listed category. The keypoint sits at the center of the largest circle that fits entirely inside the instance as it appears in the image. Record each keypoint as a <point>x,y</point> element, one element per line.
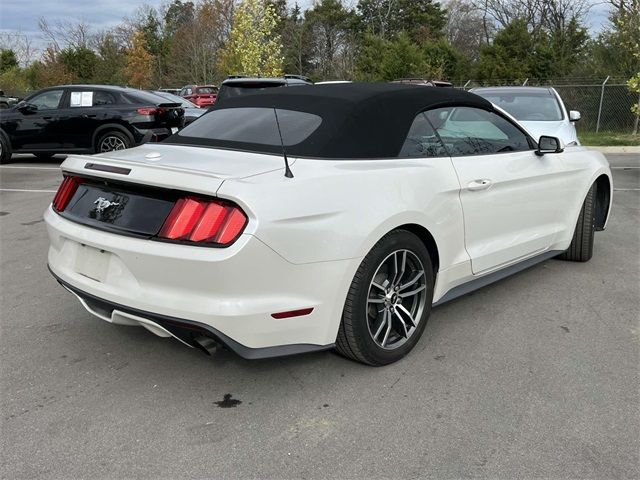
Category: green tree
<point>370,58</point>
<point>80,63</point>
<point>254,47</point>
<point>8,60</point>
<point>516,54</point>
<point>402,58</point>
<point>296,42</point>
<point>443,61</point>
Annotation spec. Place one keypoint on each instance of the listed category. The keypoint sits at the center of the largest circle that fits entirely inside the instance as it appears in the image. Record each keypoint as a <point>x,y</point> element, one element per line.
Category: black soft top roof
<point>359,120</point>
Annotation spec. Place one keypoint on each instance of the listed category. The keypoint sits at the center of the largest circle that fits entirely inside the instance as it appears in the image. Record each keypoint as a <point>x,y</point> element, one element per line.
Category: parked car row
<point>101,118</point>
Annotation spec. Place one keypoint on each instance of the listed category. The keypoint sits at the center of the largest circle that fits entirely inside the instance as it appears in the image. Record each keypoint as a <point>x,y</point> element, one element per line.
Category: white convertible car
<point>318,217</point>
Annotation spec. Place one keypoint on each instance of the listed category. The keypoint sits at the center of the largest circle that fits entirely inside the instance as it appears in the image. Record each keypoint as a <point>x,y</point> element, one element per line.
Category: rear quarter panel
<point>335,210</point>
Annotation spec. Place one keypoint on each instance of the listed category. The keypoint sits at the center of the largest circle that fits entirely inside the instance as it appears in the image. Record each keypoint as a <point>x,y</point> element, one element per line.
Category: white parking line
<point>626,189</point>
<point>26,190</point>
<point>624,168</point>
<point>29,168</point>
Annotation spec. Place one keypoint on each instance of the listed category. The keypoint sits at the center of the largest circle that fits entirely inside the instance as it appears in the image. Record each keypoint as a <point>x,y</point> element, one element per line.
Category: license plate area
<point>115,207</point>
<point>92,262</point>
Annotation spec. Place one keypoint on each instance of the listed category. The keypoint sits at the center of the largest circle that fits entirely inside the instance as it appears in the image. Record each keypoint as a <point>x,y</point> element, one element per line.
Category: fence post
<point>637,120</point>
<point>465,85</point>
<point>600,107</point>
<point>525,82</point>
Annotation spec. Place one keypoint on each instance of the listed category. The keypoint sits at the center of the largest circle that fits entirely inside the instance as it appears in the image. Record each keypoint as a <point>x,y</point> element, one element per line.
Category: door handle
<point>88,116</point>
<point>482,184</point>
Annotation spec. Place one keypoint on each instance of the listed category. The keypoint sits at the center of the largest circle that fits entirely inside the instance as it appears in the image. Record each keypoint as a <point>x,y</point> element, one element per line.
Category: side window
<point>104,98</point>
<point>472,131</point>
<point>422,140</point>
<point>47,100</point>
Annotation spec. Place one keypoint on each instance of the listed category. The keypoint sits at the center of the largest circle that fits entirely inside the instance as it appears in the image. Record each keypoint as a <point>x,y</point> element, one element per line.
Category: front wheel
<point>389,301</point>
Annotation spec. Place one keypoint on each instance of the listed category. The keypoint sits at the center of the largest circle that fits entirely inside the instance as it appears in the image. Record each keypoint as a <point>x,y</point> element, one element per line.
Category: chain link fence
<point>605,105</point>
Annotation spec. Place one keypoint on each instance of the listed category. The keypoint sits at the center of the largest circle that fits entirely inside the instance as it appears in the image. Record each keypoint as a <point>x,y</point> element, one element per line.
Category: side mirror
<point>574,116</point>
<point>25,107</point>
<point>548,144</point>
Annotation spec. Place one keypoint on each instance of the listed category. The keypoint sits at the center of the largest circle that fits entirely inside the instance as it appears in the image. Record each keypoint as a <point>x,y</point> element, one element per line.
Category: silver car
<point>539,109</point>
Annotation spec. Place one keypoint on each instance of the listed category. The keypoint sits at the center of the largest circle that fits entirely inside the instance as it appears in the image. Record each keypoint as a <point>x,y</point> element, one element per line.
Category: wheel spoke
<point>412,292</point>
<point>406,312</point>
<point>412,281</point>
<point>383,322</point>
<point>396,281</point>
<point>386,333</point>
<point>404,331</point>
<point>377,285</point>
<point>375,300</point>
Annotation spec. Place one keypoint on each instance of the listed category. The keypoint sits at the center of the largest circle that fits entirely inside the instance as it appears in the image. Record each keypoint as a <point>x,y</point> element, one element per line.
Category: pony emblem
<point>103,204</point>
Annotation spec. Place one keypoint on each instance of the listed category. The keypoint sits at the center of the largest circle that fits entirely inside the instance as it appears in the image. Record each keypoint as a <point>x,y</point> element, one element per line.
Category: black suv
<point>86,119</point>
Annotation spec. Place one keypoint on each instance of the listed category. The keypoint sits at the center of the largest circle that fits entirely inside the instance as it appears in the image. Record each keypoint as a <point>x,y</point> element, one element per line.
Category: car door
<point>511,198</point>
<point>34,128</point>
<point>86,110</point>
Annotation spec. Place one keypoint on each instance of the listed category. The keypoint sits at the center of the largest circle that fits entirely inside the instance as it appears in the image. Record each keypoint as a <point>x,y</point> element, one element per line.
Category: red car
<point>201,95</point>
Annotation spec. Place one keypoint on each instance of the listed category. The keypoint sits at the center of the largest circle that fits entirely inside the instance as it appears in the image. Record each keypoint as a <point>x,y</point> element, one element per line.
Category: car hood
<point>561,129</point>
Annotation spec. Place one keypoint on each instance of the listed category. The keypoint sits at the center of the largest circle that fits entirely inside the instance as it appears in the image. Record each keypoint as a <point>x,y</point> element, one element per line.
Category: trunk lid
<point>185,168</point>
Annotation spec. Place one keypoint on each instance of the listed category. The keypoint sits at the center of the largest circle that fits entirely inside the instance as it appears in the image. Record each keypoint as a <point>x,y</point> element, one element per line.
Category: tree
<point>196,46</point>
<point>296,42</point>
<point>332,33</point>
<point>112,60</point>
<point>254,47</point>
<point>8,60</point>
<point>402,58</point>
<point>466,29</point>
<point>80,62</point>
<point>422,20</point>
<point>139,68</point>
<point>515,54</point>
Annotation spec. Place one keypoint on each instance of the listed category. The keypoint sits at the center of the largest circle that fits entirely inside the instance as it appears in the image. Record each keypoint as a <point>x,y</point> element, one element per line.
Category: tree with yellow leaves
<point>254,48</point>
<point>139,68</point>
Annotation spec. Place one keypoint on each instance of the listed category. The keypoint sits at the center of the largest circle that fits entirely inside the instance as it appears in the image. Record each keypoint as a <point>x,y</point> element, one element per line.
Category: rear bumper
<point>229,292</point>
<point>183,330</point>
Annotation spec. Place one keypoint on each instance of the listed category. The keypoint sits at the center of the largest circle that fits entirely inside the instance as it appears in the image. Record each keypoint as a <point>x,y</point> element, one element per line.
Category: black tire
<point>5,149</point>
<point>117,140</point>
<point>355,338</point>
<point>44,156</point>
<point>4,105</point>
<point>581,248</point>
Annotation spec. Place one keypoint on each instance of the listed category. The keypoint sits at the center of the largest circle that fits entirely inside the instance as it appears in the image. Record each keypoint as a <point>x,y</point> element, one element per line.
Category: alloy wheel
<point>111,143</point>
<point>396,299</point>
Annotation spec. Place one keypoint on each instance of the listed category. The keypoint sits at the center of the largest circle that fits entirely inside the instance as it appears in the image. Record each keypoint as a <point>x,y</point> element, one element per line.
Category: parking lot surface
<point>534,376</point>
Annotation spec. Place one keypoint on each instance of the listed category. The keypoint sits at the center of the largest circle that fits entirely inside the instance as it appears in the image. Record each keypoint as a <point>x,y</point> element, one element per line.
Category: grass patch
<point>613,139</point>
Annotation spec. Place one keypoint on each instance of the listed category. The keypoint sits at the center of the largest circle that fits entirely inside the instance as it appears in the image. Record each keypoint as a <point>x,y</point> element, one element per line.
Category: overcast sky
<point>22,15</point>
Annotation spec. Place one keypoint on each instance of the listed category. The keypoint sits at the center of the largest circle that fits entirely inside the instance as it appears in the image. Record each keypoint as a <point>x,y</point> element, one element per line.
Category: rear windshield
<point>249,128</point>
<point>532,107</point>
<point>206,90</point>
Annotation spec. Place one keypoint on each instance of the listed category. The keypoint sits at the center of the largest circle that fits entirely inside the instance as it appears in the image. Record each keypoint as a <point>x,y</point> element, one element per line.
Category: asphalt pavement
<point>536,376</point>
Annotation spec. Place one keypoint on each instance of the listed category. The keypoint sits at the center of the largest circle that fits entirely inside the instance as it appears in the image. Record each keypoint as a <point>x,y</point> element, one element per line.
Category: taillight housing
<point>65,192</point>
<point>198,220</point>
<point>151,110</point>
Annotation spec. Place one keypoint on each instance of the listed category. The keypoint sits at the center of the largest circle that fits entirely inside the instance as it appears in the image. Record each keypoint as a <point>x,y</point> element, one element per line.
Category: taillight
<point>151,110</point>
<point>204,221</point>
<point>66,190</point>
